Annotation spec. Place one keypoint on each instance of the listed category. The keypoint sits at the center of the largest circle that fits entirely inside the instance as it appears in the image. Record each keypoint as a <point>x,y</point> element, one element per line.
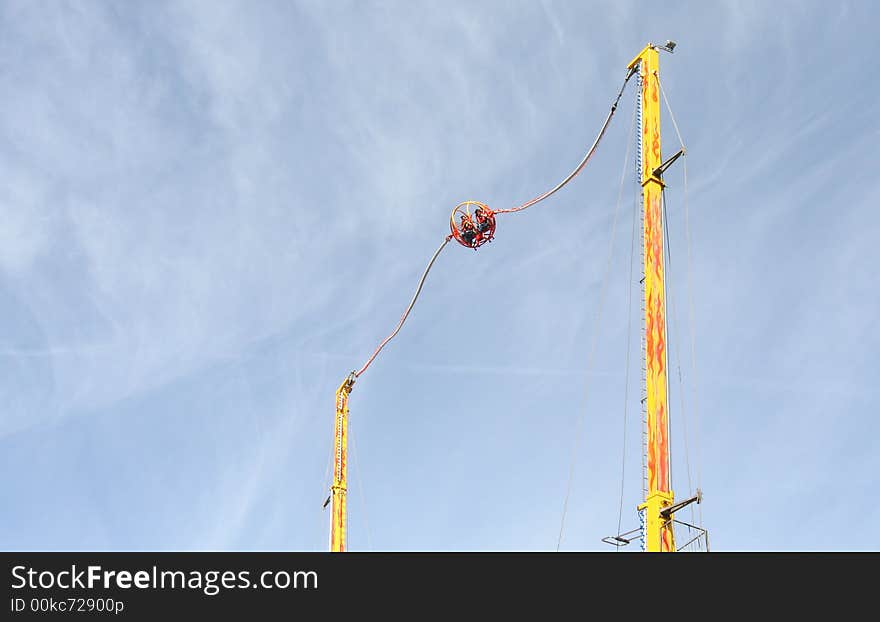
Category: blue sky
<point>211,212</point>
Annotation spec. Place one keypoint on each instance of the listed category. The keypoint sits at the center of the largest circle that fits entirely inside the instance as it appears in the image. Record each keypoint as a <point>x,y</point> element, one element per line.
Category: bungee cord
<point>475,229</point>
<point>408,309</point>
<point>583,162</point>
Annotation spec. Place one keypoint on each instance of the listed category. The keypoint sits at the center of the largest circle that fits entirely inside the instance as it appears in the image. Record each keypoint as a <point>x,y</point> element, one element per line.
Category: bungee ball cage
<point>472,224</point>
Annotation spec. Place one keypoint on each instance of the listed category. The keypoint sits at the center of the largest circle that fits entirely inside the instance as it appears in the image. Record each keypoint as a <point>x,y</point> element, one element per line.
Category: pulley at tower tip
<point>472,224</point>
<point>348,383</point>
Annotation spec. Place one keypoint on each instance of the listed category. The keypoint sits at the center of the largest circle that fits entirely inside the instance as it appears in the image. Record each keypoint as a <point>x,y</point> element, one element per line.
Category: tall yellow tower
<point>658,533</point>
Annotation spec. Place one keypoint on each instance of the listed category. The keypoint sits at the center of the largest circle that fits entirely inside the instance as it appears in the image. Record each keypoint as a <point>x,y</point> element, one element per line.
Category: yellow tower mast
<point>338,510</point>
<point>656,511</point>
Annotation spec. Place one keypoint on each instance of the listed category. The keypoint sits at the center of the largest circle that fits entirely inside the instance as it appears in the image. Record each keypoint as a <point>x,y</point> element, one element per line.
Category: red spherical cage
<point>472,229</point>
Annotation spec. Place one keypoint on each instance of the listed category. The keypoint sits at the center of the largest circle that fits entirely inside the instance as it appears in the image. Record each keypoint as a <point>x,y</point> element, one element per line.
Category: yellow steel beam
<point>658,530</point>
<point>338,513</point>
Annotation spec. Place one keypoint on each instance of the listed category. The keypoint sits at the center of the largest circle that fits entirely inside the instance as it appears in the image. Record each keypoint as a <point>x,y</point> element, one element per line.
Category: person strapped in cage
<point>468,230</point>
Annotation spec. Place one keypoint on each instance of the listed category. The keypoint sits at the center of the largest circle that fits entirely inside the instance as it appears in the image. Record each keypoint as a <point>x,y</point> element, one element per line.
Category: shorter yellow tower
<point>339,516</point>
